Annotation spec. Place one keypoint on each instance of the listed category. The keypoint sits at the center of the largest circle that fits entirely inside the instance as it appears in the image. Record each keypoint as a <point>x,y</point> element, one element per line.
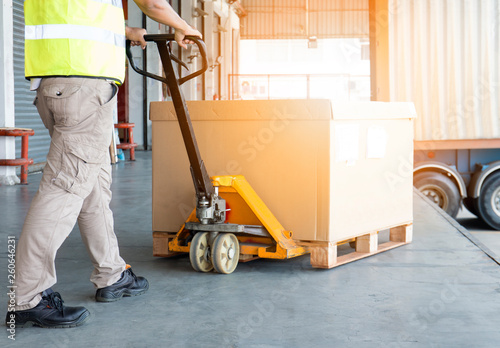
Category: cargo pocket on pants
<point>79,169</point>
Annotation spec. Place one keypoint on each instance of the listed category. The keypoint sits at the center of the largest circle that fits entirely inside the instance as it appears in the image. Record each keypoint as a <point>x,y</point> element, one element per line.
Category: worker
<point>75,58</point>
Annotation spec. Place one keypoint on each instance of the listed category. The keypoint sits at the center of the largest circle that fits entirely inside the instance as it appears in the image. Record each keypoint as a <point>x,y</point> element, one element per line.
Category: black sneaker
<point>49,313</point>
<point>128,285</point>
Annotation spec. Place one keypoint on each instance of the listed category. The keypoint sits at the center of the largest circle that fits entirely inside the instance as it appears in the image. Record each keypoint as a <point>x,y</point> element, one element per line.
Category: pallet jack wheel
<point>225,253</point>
<point>199,253</point>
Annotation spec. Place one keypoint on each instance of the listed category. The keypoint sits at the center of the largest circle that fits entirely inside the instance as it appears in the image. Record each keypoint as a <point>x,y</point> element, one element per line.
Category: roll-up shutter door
<point>25,112</point>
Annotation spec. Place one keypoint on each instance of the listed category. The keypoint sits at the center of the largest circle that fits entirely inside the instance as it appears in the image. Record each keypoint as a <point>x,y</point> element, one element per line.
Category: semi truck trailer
<point>444,56</point>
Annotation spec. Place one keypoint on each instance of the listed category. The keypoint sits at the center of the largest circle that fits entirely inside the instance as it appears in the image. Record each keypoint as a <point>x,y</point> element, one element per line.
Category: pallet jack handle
<point>163,39</point>
<point>205,190</point>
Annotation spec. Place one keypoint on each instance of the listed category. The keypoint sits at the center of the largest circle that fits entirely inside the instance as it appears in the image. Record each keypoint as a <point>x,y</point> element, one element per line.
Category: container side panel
<point>444,57</point>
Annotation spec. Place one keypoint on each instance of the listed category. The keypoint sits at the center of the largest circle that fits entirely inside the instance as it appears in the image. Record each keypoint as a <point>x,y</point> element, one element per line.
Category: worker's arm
<point>162,12</point>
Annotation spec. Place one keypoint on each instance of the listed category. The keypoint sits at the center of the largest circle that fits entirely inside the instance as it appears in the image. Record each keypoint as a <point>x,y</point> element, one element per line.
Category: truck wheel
<point>489,201</point>
<point>439,189</point>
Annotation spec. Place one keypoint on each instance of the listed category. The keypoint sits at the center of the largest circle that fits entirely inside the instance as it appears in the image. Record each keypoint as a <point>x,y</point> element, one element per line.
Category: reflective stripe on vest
<point>71,31</point>
<point>75,38</point>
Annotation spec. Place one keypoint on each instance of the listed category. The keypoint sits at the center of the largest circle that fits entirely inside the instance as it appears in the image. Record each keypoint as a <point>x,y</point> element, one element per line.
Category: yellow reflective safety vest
<point>84,38</point>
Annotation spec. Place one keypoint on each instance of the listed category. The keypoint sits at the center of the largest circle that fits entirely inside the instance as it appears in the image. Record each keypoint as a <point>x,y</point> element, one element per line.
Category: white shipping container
<point>445,57</point>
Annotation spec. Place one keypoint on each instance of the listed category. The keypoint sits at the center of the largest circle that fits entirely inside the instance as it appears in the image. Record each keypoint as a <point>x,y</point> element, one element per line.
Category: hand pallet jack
<point>214,239</point>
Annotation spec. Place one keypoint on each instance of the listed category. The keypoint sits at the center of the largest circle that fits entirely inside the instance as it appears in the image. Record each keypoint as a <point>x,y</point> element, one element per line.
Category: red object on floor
<point>24,161</point>
<point>128,143</point>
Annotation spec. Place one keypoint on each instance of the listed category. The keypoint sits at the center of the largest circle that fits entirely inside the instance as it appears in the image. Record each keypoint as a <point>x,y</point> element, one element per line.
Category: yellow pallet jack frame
<point>272,242</point>
<point>230,222</point>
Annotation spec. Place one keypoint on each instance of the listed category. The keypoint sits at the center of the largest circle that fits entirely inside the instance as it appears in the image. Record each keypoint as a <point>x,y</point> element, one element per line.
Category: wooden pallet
<point>324,254</point>
<point>160,244</point>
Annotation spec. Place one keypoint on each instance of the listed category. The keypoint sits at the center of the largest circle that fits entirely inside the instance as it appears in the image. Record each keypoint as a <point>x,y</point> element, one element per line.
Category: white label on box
<point>376,142</point>
<point>347,143</point>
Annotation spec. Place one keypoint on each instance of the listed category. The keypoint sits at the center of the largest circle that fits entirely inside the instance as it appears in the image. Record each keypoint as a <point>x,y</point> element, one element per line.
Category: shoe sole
<point>80,321</point>
<point>124,293</point>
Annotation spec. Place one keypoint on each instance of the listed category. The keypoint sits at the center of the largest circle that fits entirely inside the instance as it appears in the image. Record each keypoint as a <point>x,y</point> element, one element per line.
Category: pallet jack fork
<point>230,222</point>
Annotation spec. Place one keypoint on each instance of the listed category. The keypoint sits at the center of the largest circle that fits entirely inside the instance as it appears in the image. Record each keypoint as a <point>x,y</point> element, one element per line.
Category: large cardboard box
<point>328,172</point>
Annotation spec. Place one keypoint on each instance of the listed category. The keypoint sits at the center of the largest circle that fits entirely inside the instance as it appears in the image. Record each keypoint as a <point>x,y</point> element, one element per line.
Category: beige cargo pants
<point>75,186</point>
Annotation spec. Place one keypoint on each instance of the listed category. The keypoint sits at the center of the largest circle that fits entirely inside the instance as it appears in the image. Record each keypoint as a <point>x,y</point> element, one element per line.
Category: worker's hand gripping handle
<point>163,39</point>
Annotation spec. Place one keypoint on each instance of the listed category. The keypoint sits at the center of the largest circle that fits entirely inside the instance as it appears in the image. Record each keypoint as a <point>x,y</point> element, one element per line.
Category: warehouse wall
<point>7,144</point>
<point>219,24</point>
<point>26,113</point>
<point>301,19</point>
<point>221,32</point>
<point>135,81</point>
<point>444,56</point>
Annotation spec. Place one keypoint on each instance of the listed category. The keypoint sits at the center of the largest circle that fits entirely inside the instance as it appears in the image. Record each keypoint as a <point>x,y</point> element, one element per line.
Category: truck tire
<point>439,189</point>
<point>488,203</point>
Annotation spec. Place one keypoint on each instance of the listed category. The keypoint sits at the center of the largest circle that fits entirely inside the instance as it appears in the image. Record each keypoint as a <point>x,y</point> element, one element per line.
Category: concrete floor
<point>439,291</point>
